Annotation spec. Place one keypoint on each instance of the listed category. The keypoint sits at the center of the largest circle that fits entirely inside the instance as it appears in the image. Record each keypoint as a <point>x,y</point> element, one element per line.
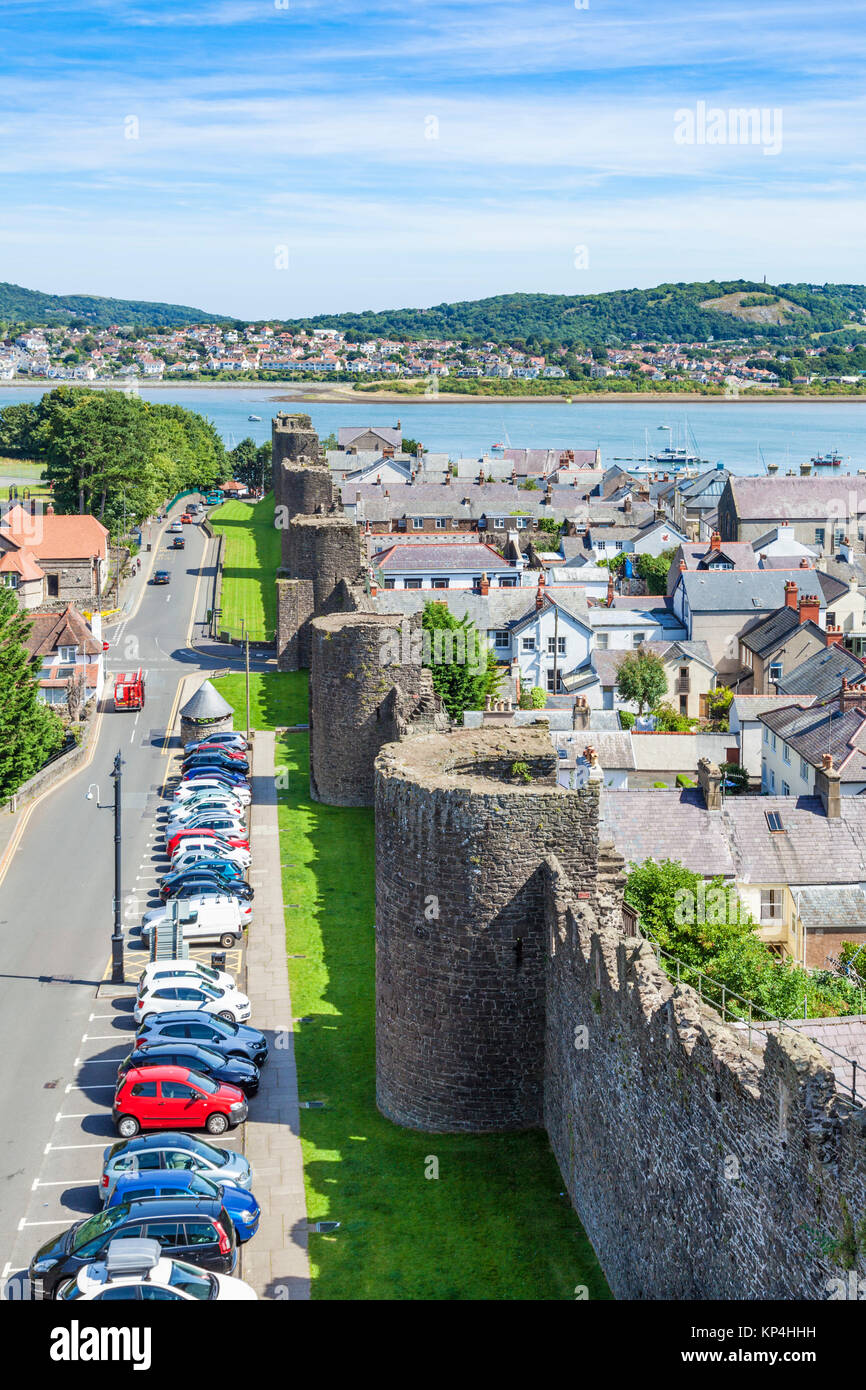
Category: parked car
<point>235,1039</point>
<point>205,885</point>
<point>175,1098</point>
<point>241,1206</point>
<point>137,1269</point>
<point>227,757</point>
<point>230,1070</point>
<point>227,749</point>
<point>211,915</point>
<point>206,842</point>
<point>160,970</point>
<point>221,821</point>
<point>197,1228</point>
<point>213,801</point>
<point>221,859</point>
<point>229,738</point>
<point>161,577</point>
<point>173,1152</point>
<point>194,790</point>
<point>203,833</point>
<point>229,778</point>
<point>228,873</point>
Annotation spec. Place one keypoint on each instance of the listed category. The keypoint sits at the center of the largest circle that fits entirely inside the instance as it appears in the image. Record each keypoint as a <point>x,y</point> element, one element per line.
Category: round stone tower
<point>305,486</point>
<point>364,673</point>
<point>292,438</point>
<point>464,823</point>
<point>320,552</point>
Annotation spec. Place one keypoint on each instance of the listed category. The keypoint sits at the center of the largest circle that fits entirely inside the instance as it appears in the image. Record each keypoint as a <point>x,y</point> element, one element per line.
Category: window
<point>786,753</point>
<point>417,523</point>
<point>638,638</point>
<point>556,646</point>
<point>168,1233</point>
<point>177,1090</point>
<point>773,742</point>
<point>766,734</point>
<point>200,1233</point>
<point>774,822</point>
<point>684,704</point>
<point>819,535</point>
<point>67,653</point>
<point>786,790</point>
<point>502,639</point>
<point>831,619</point>
<point>775,671</point>
<point>441,523</point>
<point>619,545</point>
<point>508,582</point>
<point>389,583</point>
<point>601,640</point>
<point>53,582</point>
<point>440,583</point>
<point>552,681</point>
<point>412,583</point>
<point>772,781</point>
<point>684,673</point>
<point>499,523</point>
<point>10,581</point>
<point>771,905</point>
<point>527,644</point>
<point>522,523</point>
<point>804,769</point>
<point>145,1088</point>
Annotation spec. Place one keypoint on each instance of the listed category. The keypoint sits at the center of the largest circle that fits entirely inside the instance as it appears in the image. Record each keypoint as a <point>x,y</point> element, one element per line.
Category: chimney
<point>827,787</point>
<point>379,479</point>
<point>710,783</point>
<point>539,593</point>
<point>626,506</point>
<point>49,510</point>
<point>484,587</point>
<point>810,608</point>
<point>851,696</point>
<point>790,594</point>
<point>448,477</point>
<point>683,566</point>
<point>833,636</point>
<point>715,541</point>
<point>610,588</point>
<point>804,564</point>
<point>580,713</point>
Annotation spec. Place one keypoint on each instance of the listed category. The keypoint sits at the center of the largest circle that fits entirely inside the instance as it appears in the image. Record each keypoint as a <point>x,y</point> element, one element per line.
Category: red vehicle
<point>186,519</point>
<point>232,753</point>
<point>129,690</point>
<point>235,841</point>
<point>167,1097</point>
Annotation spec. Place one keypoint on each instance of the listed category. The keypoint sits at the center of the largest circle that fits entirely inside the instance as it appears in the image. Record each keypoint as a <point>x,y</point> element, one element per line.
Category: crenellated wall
<point>702,1163</point>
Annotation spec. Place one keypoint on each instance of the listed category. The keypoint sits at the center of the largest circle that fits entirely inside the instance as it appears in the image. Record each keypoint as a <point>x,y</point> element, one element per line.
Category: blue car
<point>212,769</point>
<point>241,1206</point>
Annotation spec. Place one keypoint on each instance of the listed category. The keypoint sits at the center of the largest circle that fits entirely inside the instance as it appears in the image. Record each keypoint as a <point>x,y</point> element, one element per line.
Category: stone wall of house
<point>703,1163</point>
<point>367,688</point>
<point>76,580</point>
<point>700,1168</point>
<point>460,923</point>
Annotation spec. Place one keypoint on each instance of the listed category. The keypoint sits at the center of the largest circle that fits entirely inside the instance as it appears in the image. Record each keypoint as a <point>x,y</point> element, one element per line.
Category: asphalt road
<point>56,905</point>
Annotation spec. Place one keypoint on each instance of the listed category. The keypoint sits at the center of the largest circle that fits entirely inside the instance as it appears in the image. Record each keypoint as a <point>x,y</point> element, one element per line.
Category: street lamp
<point>117,971</point>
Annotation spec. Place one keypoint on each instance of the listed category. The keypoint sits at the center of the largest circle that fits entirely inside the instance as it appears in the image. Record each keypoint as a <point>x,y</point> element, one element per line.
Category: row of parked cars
<point>175,1208</point>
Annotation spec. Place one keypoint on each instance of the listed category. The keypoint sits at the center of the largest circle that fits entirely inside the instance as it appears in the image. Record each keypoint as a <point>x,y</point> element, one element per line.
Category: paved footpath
<point>276,1262</point>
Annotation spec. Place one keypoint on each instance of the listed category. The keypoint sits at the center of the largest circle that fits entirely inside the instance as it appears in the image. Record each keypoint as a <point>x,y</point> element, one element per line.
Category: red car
<point>218,748</point>
<point>236,841</point>
<point>186,519</point>
<point>166,1097</point>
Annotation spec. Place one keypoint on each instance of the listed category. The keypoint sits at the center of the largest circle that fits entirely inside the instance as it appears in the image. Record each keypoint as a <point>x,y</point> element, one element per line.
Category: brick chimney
<point>827,787</point>
<point>810,608</point>
<point>484,587</point>
<point>710,783</point>
<point>626,506</point>
<point>833,636</point>
<point>851,696</point>
<point>715,541</point>
<point>790,594</point>
<point>804,564</point>
<point>610,588</point>
<point>49,510</point>
<point>683,566</point>
<point>580,713</point>
<point>539,593</point>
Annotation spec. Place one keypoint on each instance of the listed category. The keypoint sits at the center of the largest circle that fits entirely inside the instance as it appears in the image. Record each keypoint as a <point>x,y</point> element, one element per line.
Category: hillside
<point>679,313</point>
<point>18,305</point>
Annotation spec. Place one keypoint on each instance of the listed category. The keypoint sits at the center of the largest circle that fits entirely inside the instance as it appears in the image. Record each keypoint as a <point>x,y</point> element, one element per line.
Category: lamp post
<point>117,969</point>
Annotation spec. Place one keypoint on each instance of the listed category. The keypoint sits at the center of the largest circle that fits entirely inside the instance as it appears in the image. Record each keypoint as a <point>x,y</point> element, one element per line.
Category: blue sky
<point>295,156</point>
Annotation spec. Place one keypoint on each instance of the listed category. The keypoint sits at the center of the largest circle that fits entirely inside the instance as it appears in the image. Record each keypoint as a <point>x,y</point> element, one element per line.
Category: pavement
<point>62,1026</point>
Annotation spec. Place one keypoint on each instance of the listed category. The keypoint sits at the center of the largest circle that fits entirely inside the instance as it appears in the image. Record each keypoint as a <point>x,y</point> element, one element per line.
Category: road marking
<point>67,1182</point>
<point>58,1221</point>
<point>56,1148</point>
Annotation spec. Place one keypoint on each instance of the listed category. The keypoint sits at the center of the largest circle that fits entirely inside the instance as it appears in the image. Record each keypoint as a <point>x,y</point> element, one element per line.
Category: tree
<point>719,706</point>
<point>29,730</point>
<point>653,569</point>
<point>464,668</point>
<point>533,697</point>
<point>641,679</point>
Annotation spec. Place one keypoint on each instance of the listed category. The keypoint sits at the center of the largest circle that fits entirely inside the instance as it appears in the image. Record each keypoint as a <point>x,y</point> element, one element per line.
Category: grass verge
<point>278,699</point>
<point>250,563</point>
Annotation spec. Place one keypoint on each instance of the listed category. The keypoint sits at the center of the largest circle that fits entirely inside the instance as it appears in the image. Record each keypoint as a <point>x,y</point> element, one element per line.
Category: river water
<point>744,435</point>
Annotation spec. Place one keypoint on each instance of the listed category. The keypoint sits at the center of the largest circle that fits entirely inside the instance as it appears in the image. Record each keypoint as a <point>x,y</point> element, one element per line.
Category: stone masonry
<point>361,699</point>
<point>509,993</point>
<point>323,551</point>
<point>292,438</point>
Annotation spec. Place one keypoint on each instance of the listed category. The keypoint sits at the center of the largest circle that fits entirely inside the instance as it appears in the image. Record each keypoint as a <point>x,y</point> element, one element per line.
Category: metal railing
<point>752,1018</point>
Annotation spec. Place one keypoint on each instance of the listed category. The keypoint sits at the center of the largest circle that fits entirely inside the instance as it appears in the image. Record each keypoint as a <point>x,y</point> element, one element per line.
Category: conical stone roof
<point>206,703</point>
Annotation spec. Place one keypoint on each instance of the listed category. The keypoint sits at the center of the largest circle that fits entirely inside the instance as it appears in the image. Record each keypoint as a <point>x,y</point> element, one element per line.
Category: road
<point>56,904</point>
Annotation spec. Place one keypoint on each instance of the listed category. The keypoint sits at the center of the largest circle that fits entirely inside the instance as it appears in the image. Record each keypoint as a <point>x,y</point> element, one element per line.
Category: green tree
<point>455,661</point>
<point>719,706</point>
<point>533,697</point>
<point>30,731</point>
<point>641,679</point>
<point>653,569</point>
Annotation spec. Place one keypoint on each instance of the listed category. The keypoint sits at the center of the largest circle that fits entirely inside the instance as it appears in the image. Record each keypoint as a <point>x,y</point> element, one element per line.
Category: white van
<point>203,919</point>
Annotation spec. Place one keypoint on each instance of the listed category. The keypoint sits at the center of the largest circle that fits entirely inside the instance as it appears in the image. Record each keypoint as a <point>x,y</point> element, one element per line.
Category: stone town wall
<point>324,554</point>
<point>699,1167</point>
<point>292,438</point>
<point>295,608</point>
<point>460,936</point>
<point>360,699</point>
<point>508,995</point>
<point>305,488</point>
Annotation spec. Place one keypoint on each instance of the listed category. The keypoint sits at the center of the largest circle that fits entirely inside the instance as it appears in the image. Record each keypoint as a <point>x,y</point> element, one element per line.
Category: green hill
<point>18,305</point>
<point>668,313</point>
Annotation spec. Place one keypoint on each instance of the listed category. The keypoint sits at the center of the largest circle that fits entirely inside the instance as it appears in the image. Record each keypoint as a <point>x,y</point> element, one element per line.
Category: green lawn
<point>494,1225</point>
<point>278,699</point>
<point>250,563</point>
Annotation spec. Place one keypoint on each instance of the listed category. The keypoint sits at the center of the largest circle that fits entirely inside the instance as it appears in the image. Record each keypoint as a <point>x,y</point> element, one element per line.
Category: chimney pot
<point>715,541</point>
<point>790,594</point>
<point>804,564</point>
<point>810,608</point>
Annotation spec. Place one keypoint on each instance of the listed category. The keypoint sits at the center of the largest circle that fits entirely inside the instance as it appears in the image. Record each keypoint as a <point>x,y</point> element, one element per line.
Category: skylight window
<point>774,822</point>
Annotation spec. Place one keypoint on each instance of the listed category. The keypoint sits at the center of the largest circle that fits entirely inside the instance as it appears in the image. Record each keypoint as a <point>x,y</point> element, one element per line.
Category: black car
<point>178,543</point>
<point>197,1229</point>
<point>233,1071</point>
<point>161,577</point>
<point>215,757</point>
<point>232,1039</point>
<point>193,883</point>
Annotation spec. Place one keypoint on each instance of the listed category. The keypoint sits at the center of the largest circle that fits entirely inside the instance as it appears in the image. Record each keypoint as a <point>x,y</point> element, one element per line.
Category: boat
<point>677,455</point>
<point>833,460</point>
<point>497,446</point>
<point>254,417</point>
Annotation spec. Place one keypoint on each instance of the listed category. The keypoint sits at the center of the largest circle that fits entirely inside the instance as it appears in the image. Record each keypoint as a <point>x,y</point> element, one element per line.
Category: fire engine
<point>129,690</point>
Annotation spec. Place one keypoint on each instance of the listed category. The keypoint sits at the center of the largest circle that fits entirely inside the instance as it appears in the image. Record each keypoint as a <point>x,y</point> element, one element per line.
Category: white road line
<point>58,1221</point>
<point>97,1061</point>
<point>67,1182</point>
<point>99,1037</point>
<point>56,1148</point>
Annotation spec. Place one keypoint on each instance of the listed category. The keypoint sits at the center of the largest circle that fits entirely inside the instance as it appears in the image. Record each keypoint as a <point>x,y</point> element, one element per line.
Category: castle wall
<point>292,438</point>
<point>699,1168</point>
<point>460,924</point>
<point>324,554</point>
<point>351,674</point>
<point>295,608</point>
<point>305,487</point>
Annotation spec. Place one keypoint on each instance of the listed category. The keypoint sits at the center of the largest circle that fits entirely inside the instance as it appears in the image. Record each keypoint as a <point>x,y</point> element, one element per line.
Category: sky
<point>277,158</point>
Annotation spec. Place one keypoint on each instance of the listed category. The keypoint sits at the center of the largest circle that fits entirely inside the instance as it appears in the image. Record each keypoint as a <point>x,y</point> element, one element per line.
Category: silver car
<point>174,1152</point>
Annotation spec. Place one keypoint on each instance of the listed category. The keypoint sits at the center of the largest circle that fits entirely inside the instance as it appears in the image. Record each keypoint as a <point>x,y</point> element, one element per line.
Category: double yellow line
<point>173,716</point>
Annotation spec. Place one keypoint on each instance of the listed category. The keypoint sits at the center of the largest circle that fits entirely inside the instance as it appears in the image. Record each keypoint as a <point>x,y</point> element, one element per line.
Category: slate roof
<point>67,629</point>
<point>835,909</point>
<point>765,635</point>
<point>206,703</point>
<point>615,749</point>
<point>753,706</point>
<point>819,730</point>
<point>501,608</point>
<point>730,591</point>
<point>822,673</point>
<point>347,434</point>
<point>846,1036</point>
<point>454,557</point>
<point>667,825</point>
<point>800,498</point>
